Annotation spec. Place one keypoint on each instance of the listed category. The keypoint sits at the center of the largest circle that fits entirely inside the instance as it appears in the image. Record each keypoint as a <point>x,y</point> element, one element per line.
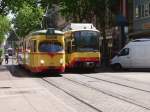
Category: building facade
<point>141,19</point>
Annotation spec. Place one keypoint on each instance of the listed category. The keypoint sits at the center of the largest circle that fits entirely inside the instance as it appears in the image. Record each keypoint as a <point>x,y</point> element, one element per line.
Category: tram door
<point>33,44</point>
<point>68,50</point>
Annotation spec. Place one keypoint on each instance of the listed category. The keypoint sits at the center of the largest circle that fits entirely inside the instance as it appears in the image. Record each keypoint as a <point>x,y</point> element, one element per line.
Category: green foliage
<point>4,24</point>
<point>45,3</point>
<point>1,52</point>
<point>85,10</point>
<point>28,19</point>
<point>14,5</point>
<point>4,27</point>
<point>76,10</point>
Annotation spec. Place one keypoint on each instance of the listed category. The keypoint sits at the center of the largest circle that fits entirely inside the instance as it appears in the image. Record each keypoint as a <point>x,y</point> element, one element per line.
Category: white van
<point>136,54</point>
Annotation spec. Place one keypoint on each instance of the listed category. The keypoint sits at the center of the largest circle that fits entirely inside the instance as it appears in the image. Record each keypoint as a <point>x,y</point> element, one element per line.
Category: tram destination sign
<point>50,31</point>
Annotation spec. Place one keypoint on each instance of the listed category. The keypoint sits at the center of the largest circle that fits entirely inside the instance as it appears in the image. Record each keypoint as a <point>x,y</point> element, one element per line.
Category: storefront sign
<point>146,26</point>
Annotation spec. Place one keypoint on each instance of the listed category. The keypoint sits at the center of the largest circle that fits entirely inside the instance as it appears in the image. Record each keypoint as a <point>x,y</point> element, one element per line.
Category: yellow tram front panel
<point>77,58</point>
<point>44,61</point>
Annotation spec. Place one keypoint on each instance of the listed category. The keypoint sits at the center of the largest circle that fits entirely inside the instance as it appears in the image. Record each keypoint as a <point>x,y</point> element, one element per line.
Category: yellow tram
<point>82,46</point>
<point>43,50</point>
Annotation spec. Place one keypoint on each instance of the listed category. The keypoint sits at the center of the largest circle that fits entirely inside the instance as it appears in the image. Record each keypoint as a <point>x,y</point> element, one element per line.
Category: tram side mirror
<point>50,31</point>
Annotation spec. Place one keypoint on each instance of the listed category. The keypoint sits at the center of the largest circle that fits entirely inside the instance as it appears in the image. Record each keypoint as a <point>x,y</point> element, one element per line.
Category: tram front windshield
<point>87,40</point>
<point>50,47</point>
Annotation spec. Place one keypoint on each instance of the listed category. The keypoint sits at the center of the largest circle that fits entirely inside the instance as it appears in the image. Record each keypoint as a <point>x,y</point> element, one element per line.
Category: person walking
<point>6,58</point>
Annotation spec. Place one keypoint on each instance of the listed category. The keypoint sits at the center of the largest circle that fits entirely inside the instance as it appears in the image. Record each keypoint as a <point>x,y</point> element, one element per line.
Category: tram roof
<point>88,30</point>
<point>43,32</point>
<point>80,27</point>
<point>83,30</point>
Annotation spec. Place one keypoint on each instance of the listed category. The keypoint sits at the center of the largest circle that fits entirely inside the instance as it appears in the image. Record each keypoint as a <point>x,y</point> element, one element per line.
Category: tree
<point>76,10</point>
<point>45,3</point>
<point>28,19</point>
<point>4,27</point>
<point>14,5</point>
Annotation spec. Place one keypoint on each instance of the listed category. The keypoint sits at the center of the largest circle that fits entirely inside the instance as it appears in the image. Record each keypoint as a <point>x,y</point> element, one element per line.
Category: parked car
<point>136,54</point>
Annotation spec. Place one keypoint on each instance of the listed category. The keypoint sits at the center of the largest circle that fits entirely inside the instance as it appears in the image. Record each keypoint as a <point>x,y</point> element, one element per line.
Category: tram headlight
<point>42,61</point>
<point>61,61</point>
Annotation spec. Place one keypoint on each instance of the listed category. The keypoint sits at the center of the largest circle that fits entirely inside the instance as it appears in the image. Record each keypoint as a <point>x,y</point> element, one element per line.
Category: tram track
<point>25,73</point>
<point>82,101</point>
<point>116,83</point>
<point>124,78</point>
<point>109,93</point>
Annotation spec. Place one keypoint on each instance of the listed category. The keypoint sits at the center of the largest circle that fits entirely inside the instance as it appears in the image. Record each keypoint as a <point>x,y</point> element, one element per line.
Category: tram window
<point>24,46</point>
<point>28,45</point>
<point>50,47</point>
<point>33,46</point>
<point>31,43</point>
<point>87,40</point>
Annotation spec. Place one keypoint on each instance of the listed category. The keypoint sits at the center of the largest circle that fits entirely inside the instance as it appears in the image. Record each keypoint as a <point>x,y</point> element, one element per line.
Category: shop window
<point>139,10</point>
<point>146,12</point>
<point>149,8</point>
<point>142,10</point>
<point>136,12</point>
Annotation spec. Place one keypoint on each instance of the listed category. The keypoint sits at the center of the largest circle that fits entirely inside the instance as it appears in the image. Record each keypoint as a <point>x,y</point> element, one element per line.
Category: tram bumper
<point>60,69</point>
<point>90,64</point>
<point>85,64</point>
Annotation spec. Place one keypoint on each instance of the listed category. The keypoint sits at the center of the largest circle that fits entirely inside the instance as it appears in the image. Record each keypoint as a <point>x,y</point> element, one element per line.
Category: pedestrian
<point>6,58</point>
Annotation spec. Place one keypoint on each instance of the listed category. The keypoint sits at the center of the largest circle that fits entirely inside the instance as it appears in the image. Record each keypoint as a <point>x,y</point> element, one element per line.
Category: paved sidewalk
<point>27,95</point>
<point>4,73</point>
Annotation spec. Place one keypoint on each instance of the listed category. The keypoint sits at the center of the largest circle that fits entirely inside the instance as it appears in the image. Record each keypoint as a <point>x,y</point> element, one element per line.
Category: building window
<point>142,10</point>
<point>139,10</point>
<point>136,12</point>
<point>149,8</point>
<point>146,10</point>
